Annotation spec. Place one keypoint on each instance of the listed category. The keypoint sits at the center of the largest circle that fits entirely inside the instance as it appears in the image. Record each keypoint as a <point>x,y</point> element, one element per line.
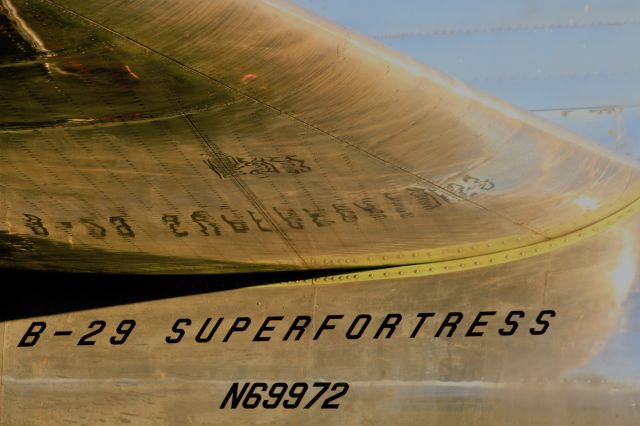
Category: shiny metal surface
<point>544,54</point>
<point>523,378</point>
<point>567,61</point>
<point>301,145</point>
<point>240,136</point>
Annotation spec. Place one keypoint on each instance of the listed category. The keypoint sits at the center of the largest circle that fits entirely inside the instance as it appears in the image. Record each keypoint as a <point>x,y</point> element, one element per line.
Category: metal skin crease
<point>522,378</point>
<point>241,136</point>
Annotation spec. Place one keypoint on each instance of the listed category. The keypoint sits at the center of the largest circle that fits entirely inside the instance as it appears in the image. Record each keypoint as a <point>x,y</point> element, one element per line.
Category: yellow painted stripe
<point>474,262</point>
<point>446,253</point>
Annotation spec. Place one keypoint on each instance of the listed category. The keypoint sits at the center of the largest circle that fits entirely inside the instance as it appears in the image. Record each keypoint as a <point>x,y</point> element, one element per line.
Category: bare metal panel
<point>241,136</point>
<point>522,351</point>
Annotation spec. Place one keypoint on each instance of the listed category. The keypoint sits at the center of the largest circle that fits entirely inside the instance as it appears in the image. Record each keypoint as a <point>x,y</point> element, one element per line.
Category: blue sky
<point>548,56</point>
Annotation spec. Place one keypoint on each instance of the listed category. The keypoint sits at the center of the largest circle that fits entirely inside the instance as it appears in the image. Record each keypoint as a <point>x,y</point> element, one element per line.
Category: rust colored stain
<point>131,73</point>
<point>248,78</point>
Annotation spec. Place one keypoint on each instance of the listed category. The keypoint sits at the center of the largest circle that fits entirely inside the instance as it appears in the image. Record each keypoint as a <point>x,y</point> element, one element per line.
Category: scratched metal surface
<point>243,136</point>
<point>582,370</point>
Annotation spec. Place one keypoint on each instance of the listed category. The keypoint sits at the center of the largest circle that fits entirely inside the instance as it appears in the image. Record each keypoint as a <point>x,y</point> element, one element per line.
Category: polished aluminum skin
<point>235,136</point>
<point>242,136</point>
<point>568,62</point>
<point>580,371</point>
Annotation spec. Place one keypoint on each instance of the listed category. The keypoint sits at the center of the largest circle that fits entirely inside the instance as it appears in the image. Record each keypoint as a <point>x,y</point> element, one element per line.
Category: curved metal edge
<point>474,262</point>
